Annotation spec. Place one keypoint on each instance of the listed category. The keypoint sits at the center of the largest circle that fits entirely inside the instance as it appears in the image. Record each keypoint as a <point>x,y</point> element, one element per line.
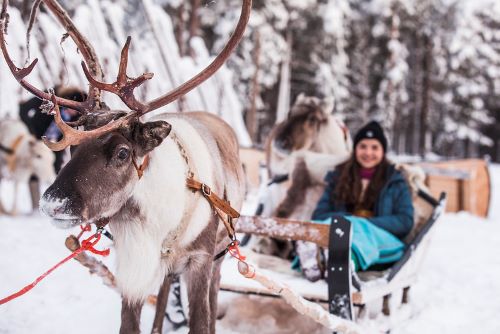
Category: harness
<point>6,150</point>
<point>221,206</point>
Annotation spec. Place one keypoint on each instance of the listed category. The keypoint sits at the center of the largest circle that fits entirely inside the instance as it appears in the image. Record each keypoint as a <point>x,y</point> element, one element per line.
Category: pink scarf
<point>367,173</point>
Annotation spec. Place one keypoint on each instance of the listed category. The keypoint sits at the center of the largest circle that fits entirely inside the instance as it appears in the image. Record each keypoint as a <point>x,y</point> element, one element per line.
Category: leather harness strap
<point>140,169</point>
<point>6,150</point>
<point>215,201</point>
<point>218,204</point>
<point>221,206</point>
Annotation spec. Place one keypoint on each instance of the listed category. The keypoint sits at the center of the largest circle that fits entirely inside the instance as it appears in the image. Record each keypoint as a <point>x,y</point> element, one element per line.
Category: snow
<point>459,285</point>
<point>456,292</point>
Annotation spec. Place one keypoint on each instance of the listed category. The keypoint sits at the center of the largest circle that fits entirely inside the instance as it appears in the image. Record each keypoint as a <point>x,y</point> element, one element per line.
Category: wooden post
<point>386,309</point>
<point>406,295</point>
<point>361,311</point>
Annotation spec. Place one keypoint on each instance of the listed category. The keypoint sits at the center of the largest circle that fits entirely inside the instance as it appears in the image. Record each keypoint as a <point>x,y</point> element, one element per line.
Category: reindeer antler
<point>75,137</point>
<point>123,87</point>
<point>93,98</point>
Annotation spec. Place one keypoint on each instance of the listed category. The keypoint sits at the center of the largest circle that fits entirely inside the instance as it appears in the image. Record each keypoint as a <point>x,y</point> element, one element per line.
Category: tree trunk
<point>426,88</point>
<point>413,138</point>
<point>165,59</point>
<point>284,88</point>
<point>251,116</point>
<point>179,36</point>
<point>193,24</point>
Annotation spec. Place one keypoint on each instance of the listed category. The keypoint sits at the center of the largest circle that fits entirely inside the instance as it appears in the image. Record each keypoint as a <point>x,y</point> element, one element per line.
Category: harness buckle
<point>106,233</point>
<point>206,190</point>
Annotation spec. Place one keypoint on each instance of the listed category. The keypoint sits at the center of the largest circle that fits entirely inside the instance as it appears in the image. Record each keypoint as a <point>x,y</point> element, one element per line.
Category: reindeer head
<point>306,117</point>
<point>101,175</point>
<point>99,178</point>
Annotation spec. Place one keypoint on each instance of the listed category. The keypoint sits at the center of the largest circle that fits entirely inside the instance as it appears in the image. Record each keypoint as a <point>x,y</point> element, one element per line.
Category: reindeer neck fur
<point>160,207</point>
<point>331,139</point>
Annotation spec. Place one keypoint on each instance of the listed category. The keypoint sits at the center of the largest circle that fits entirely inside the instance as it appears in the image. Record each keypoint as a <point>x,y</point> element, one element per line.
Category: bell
<point>246,270</point>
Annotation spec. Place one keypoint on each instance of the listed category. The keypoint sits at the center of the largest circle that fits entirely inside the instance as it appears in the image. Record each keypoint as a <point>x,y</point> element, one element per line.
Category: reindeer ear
<point>300,98</point>
<point>327,105</point>
<point>151,134</point>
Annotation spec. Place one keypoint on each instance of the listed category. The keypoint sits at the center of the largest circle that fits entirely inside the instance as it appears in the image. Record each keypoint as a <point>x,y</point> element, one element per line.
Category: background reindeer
<point>22,156</point>
<point>141,178</point>
<point>299,153</point>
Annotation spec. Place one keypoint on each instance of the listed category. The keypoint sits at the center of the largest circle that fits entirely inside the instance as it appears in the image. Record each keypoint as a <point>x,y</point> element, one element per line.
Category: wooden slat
<point>467,183</point>
<point>284,229</point>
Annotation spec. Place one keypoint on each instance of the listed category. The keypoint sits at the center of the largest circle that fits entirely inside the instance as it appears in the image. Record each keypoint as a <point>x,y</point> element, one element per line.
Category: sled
<point>356,288</point>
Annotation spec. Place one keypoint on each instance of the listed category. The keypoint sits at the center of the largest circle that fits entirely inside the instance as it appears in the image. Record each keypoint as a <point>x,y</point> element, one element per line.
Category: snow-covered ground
<point>458,290</point>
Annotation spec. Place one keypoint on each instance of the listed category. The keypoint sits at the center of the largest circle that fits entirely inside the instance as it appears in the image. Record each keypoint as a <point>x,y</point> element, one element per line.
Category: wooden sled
<point>364,287</point>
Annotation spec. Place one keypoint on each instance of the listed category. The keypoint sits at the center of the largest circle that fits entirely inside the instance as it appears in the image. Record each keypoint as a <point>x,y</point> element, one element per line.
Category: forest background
<point>429,70</point>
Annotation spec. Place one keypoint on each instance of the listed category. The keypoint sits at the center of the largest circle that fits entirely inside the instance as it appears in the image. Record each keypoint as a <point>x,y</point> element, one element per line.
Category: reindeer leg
<point>2,209</point>
<point>161,305</point>
<point>13,210</point>
<point>214,292</point>
<point>131,317</point>
<point>198,284</point>
<point>34,186</point>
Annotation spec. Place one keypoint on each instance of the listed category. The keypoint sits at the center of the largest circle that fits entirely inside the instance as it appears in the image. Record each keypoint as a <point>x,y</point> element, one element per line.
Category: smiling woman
<point>375,197</point>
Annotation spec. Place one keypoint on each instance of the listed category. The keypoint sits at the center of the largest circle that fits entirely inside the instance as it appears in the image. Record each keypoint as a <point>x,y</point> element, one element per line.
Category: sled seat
<point>367,286</point>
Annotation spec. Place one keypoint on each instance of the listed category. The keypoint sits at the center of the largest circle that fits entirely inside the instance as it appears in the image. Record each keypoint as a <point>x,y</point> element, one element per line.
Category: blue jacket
<point>393,209</point>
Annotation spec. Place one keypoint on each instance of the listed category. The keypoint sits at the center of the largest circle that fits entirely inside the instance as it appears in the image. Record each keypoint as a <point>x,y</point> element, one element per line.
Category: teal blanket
<point>370,244</point>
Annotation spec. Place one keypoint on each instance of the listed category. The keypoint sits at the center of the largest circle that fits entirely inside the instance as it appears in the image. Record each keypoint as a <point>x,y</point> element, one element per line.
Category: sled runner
<point>343,288</point>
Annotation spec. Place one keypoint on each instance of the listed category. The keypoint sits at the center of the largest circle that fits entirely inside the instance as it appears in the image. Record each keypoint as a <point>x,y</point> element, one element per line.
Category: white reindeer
<point>21,156</point>
<point>144,179</point>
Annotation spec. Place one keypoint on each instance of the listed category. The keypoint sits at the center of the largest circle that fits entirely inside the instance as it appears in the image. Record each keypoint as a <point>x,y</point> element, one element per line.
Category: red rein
<point>87,245</point>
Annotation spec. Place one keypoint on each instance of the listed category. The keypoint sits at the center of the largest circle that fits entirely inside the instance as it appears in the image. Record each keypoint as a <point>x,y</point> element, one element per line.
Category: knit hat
<point>372,130</point>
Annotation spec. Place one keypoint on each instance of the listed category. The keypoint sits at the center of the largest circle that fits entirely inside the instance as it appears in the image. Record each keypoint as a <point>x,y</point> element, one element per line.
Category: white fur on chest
<point>164,201</point>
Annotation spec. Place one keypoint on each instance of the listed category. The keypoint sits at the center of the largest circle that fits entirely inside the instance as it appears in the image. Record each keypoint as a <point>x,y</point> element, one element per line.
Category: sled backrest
<point>421,233</point>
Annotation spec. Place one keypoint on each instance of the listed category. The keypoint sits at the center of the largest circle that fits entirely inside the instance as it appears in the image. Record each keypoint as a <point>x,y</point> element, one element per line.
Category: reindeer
<point>21,156</point>
<point>299,153</point>
<point>310,127</point>
<point>154,183</point>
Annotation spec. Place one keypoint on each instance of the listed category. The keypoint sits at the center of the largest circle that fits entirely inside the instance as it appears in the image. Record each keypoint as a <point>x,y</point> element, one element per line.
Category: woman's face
<point>369,153</point>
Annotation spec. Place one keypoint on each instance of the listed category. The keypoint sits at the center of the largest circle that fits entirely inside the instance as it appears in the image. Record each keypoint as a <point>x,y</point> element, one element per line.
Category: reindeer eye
<point>123,153</point>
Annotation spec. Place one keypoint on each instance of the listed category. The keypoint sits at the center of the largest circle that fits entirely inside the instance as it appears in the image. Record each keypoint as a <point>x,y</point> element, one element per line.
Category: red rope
<point>87,245</point>
<point>86,228</point>
<point>234,250</point>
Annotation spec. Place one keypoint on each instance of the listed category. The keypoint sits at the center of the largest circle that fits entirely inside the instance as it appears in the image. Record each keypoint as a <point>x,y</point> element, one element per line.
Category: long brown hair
<point>348,189</point>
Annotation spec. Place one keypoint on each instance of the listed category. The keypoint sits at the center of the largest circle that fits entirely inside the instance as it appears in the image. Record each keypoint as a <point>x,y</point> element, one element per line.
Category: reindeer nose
<point>59,206</point>
<point>52,206</point>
